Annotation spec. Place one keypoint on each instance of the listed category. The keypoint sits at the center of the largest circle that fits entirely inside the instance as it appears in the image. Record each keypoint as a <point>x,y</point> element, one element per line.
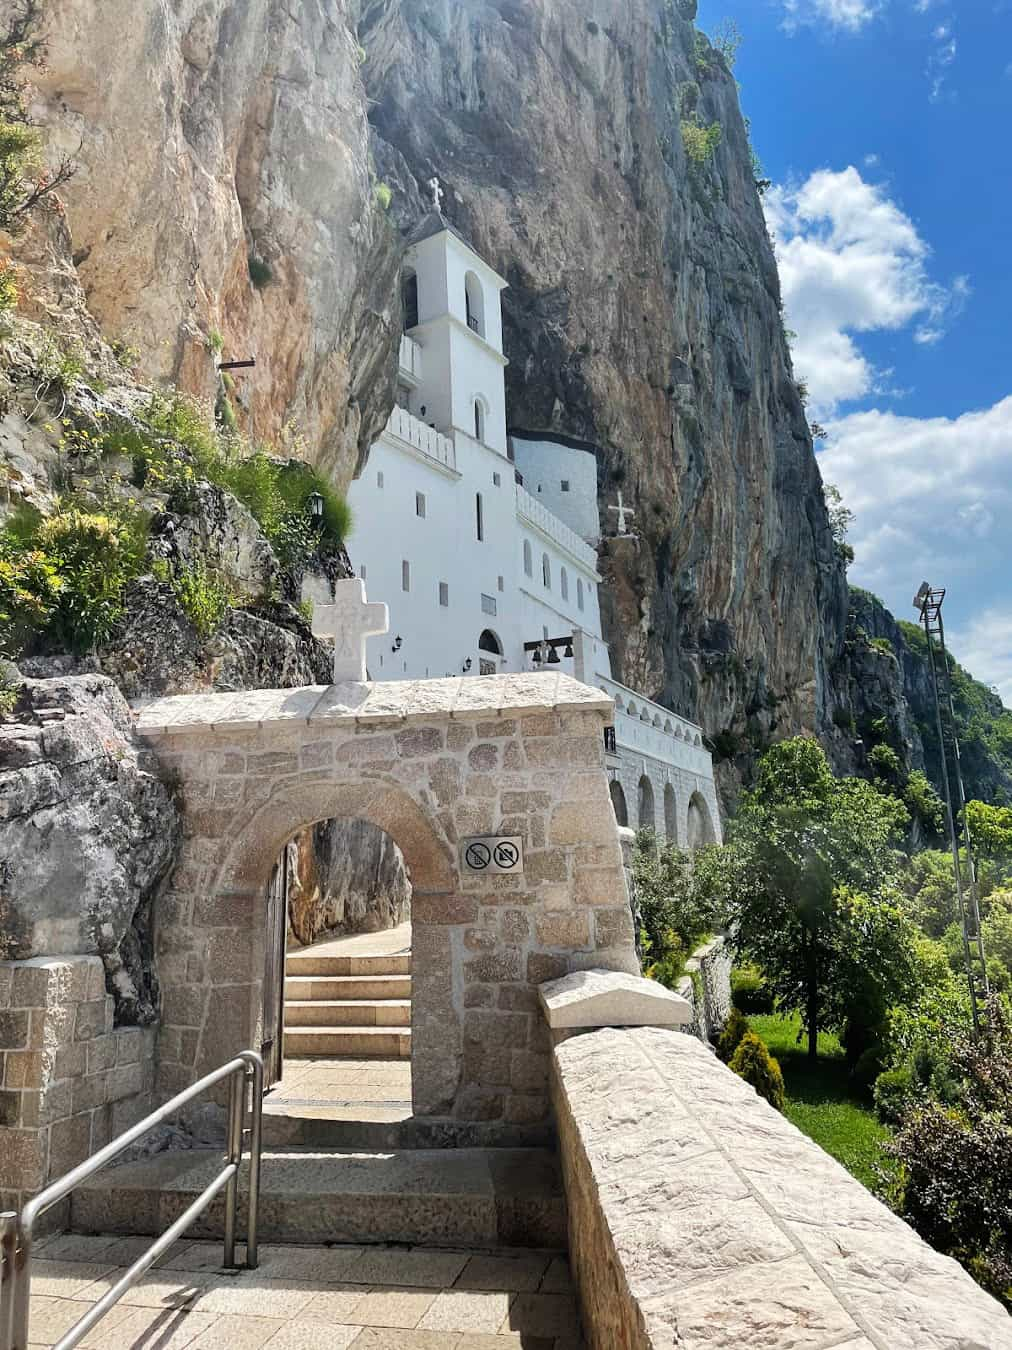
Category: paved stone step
<point>391,1012</point>
<point>308,962</point>
<point>357,1042</point>
<point>440,1197</point>
<point>386,1126</point>
<point>347,986</point>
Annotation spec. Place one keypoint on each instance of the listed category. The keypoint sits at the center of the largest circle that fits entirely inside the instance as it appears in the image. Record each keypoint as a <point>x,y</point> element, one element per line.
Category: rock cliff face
<point>642,315</point>
<point>345,876</point>
<point>207,133</point>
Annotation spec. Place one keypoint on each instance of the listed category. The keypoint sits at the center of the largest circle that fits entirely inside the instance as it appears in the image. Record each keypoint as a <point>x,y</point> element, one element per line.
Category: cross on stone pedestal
<point>350,620</point>
<point>437,193</point>
<point>622,511</point>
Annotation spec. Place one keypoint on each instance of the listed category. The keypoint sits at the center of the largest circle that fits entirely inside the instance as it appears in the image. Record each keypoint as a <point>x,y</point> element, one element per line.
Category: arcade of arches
<point>689,824</point>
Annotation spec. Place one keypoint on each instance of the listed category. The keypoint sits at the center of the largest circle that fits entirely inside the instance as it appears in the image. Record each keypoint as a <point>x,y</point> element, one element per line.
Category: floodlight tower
<point>928,602</point>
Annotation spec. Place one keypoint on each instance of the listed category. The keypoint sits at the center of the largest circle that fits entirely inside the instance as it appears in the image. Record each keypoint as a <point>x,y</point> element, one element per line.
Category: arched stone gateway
<point>699,830</point>
<point>646,810</point>
<point>432,763</point>
<point>618,803</point>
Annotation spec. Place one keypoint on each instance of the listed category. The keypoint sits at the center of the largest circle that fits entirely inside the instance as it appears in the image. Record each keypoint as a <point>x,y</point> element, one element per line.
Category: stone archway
<point>699,824</point>
<point>670,814</point>
<point>431,763</point>
<point>646,817</point>
<point>619,803</point>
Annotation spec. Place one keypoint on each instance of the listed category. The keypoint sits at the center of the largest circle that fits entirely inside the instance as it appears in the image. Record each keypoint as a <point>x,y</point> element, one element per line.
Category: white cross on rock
<point>622,511</point>
<point>349,621</point>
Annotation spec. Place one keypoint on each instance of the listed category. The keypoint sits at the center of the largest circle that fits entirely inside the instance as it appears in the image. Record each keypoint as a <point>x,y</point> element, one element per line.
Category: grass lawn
<point>820,1100</point>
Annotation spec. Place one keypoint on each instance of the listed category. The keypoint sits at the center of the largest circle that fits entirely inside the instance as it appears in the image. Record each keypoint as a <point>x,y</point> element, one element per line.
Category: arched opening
<point>474,303</point>
<point>699,826</point>
<point>490,653</point>
<point>645,812</point>
<point>564,584</point>
<point>579,593</point>
<point>409,299</point>
<point>618,802</point>
<point>338,899</point>
<point>479,421</point>
<point>528,559</point>
<point>670,814</point>
<point>546,571</point>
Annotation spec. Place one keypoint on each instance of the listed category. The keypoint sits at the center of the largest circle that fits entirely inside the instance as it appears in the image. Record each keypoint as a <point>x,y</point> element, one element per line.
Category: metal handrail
<point>16,1233</point>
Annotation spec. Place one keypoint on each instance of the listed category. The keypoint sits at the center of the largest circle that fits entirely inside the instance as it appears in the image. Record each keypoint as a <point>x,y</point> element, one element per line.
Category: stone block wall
<point>700,1216</point>
<point>685,785</point>
<point>69,1080</point>
<point>707,985</point>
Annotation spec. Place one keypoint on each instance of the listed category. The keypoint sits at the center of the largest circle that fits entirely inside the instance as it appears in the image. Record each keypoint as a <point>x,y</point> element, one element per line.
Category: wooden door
<point>272,1046</point>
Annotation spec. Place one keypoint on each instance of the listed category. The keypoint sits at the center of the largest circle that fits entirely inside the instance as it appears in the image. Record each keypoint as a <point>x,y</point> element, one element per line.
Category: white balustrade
<point>427,440</point>
<point>410,357</point>
<point>543,520</point>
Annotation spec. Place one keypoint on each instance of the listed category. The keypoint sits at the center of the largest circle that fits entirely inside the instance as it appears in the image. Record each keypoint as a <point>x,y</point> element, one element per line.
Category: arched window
<point>647,820</point>
<point>670,814</point>
<point>564,583</point>
<point>579,593</point>
<point>699,827</point>
<point>409,300</point>
<point>474,302</point>
<point>479,517</point>
<point>479,421</point>
<point>528,559</point>
<point>489,642</point>
<point>546,571</point>
<point>618,802</point>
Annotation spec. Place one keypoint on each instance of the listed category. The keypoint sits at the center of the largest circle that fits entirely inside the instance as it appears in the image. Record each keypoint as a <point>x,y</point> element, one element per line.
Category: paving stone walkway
<point>308,1298</point>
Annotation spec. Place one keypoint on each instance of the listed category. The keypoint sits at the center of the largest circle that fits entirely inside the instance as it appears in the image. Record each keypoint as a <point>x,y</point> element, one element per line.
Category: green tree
<point>990,828</point>
<point>813,861</point>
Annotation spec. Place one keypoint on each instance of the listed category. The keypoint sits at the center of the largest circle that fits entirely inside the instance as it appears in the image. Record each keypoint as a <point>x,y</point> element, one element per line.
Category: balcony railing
<point>551,525</point>
<point>410,358</point>
<point>427,440</point>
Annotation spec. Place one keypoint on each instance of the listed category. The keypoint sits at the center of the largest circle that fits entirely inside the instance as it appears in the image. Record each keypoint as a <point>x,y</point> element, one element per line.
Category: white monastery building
<point>484,543</point>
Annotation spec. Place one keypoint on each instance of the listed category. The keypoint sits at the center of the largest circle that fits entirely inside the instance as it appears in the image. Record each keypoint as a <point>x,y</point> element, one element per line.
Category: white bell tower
<point>453,310</point>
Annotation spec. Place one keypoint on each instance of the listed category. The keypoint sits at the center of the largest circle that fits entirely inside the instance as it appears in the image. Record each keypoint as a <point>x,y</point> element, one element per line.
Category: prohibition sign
<point>478,856</point>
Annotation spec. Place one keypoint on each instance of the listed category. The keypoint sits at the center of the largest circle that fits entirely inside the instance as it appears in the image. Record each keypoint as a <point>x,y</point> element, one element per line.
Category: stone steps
<point>439,1197</point>
<point>338,987</point>
<point>347,1042</point>
<point>391,1012</point>
<point>310,962</point>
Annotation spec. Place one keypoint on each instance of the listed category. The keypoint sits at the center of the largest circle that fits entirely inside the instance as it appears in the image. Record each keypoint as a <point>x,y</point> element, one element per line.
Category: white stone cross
<point>350,620</point>
<point>437,193</point>
<point>622,511</point>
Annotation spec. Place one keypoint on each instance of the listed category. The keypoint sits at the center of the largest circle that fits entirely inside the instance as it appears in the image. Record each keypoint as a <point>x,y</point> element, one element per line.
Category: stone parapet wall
<point>707,985</point>
<point>69,1080</point>
<point>700,1217</point>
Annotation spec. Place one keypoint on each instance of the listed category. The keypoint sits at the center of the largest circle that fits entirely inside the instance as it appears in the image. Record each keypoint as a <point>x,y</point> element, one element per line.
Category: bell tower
<point>453,310</point>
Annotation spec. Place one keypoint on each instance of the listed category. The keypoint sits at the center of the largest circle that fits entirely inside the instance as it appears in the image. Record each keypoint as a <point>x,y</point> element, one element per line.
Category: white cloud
<point>984,647</point>
<point>847,15</point>
<point>929,496</point>
<point>851,262</point>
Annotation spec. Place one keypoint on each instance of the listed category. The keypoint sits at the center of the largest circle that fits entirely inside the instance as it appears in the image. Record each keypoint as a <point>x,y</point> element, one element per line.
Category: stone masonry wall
<point>634,766</point>
<point>707,985</point>
<point>700,1216</point>
<point>431,763</point>
<point>69,1080</point>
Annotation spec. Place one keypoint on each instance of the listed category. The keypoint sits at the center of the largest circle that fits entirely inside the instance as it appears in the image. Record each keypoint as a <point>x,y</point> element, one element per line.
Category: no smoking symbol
<point>506,855</point>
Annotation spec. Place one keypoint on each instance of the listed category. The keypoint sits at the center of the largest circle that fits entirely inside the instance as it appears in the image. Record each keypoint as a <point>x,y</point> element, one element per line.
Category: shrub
<point>753,1062</point>
<point>261,273</point>
<point>382,196</point>
<point>701,142</point>
<point>669,967</point>
<point>29,593</point>
<point>95,554</point>
<point>215,342</point>
<point>204,597</point>
<point>894,1092</point>
<point>735,1028</point>
<point>750,993</point>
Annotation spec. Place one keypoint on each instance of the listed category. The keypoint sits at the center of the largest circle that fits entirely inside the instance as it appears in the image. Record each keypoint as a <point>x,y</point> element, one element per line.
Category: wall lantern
<point>315,504</point>
<point>397,643</point>
<point>466,666</point>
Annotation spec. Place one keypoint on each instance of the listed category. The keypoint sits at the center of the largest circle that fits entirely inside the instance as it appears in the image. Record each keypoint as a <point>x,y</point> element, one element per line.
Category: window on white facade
<point>479,421</point>
<point>564,583</point>
<point>579,593</point>
<point>379,478</point>
<point>420,504</point>
<point>488,605</point>
<point>362,572</point>
<point>444,594</point>
<point>479,516</point>
<point>528,559</point>
<point>501,584</point>
<point>546,571</point>
<point>409,300</point>
<point>405,575</point>
<point>565,484</point>
<point>474,304</point>
<point>497,480</point>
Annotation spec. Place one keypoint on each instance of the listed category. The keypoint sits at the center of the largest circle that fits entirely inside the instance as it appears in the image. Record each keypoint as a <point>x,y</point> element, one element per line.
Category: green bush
<point>204,597</point>
<point>894,1092</point>
<point>8,286</point>
<point>669,967</point>
<point>753,1062</point>
<point>750,993</point>
<point>29,593</point>
<point>701,142</point>
<point>382,196</point>
<point>735,1028</point>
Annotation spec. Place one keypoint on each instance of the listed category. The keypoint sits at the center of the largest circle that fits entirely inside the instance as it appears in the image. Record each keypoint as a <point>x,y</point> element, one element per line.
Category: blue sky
<point>885,126</point>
